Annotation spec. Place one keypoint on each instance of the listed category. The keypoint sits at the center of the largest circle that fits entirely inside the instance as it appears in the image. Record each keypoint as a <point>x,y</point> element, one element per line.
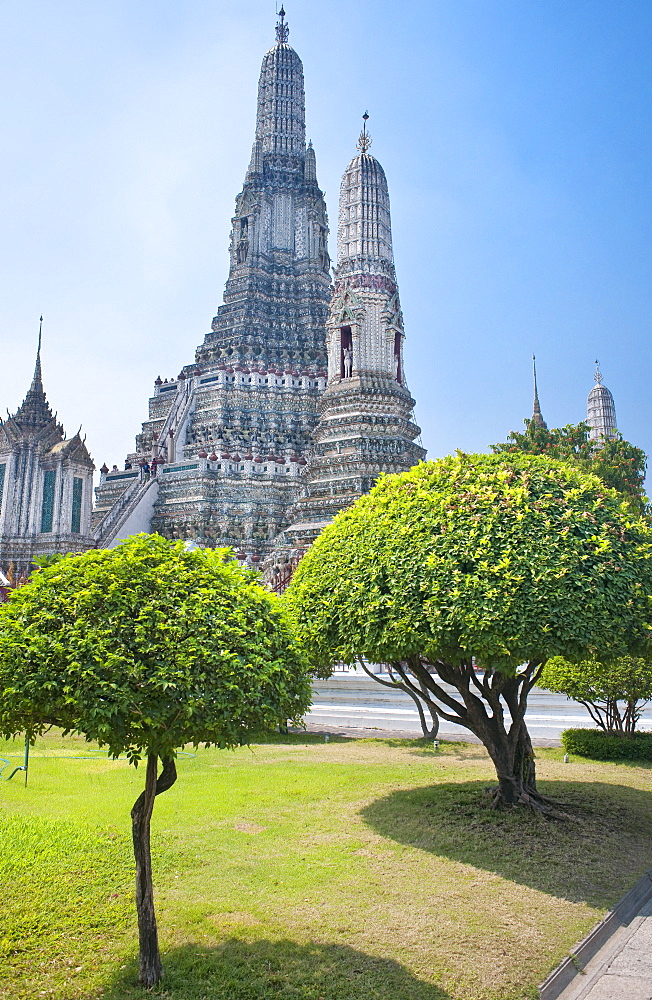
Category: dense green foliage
<point>498,560</point>
<point>598,745</point>
<point>147,647</point>
<point>618,463</point>
<point>614,692</point>
<point>505,558</point>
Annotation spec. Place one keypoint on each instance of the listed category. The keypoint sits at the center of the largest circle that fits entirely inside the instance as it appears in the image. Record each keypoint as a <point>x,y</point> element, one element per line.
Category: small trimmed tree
<point>614,692</point>
<point>147,648</point>
<point>498,560</point>
<point>617,462</point>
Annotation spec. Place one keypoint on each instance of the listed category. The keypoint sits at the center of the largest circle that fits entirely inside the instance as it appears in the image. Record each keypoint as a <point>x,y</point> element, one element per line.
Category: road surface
<point>354,701</point>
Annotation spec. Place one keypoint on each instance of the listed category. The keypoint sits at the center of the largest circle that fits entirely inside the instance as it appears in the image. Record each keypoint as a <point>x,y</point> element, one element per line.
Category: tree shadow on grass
<point>282,970</point>
<point>593,857</point>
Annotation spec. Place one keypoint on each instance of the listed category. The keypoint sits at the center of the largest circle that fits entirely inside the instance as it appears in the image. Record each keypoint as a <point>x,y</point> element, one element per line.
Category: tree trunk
<point>480,708</point>
<point>430,732</point>
<point>516,771</point>
<point>508,744</point>
<point>150,969</point>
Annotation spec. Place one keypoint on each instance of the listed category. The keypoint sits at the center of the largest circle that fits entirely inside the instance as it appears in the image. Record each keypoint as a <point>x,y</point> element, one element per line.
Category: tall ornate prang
<point>601,410</point>
<point>365,414</point>
<point>46,483</point>
<point>219,459</point>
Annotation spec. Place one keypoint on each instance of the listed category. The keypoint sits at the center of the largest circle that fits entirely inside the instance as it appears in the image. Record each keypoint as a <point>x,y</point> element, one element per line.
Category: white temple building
<point>46,484</point>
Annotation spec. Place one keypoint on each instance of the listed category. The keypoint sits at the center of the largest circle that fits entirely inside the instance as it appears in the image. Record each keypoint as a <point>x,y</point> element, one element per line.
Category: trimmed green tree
<point>493,560</point>
<point>614,692</point>
<point>617,462</point>
<point>144,649</point>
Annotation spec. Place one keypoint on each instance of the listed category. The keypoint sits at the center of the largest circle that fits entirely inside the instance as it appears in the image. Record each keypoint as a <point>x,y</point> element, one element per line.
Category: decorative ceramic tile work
<point>365,414</point>
<point>250,397</point>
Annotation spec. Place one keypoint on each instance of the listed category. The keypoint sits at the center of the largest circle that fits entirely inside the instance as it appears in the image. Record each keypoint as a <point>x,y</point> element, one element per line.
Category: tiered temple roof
<point>45,484</point>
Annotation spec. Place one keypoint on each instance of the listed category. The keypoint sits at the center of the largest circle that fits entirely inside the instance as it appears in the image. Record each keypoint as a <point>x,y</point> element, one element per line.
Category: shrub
<point>598,745</point>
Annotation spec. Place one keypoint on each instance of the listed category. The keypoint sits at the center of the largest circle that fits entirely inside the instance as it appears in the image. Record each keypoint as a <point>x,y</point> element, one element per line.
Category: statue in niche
<point>243,241</point>
<point>348,361</point>
<point>323,249</point>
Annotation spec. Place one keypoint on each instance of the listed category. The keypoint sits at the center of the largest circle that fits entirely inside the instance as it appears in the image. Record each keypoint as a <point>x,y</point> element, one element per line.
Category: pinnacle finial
<point>537,417</point>
<point>282,30</point>
<point>37,367</point>
<point>598,374</point>
<point>34,410</point>
<point>364,142</point>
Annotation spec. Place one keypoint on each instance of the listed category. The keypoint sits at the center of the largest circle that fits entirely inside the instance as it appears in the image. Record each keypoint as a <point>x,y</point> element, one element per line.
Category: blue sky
<point>515,135</point>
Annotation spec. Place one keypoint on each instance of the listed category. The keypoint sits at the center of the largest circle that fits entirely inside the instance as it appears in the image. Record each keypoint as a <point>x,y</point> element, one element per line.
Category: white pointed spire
<point>281,115</point>
<point>601,410</point>
<point>364,234</point>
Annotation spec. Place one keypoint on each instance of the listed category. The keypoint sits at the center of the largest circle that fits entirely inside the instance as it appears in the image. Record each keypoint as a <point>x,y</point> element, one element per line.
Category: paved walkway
<point>615,959</point>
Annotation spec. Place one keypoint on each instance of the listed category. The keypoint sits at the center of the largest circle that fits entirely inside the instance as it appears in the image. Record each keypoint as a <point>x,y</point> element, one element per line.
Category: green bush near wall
<point>598,745</point>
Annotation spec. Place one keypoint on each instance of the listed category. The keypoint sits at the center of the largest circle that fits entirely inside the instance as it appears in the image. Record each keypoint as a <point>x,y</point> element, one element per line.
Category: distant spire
<point>282,30</point>
<point>34,410</point>
<point>364,142</point>
<point>37,380</point>
<point>601,411</point>
<point>537,418</point>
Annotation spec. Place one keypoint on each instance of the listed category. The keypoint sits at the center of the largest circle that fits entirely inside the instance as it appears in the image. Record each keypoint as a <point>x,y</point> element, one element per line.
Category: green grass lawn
<point>353,870</point>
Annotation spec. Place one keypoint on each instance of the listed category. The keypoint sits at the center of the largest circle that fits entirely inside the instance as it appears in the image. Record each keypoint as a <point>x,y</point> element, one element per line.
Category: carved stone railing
<point>106,529</point>
<point>177,412</point>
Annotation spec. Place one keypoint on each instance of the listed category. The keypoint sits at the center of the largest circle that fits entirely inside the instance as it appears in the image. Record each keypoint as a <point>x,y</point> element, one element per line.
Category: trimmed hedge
<point>598,745</point>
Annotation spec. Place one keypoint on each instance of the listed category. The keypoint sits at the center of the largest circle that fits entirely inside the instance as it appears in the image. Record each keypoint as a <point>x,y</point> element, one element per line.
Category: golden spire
<point>364,142</point>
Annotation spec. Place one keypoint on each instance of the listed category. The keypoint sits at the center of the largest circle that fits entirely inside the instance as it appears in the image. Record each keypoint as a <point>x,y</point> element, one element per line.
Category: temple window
<point>47,507</point>
<point>77,493</point>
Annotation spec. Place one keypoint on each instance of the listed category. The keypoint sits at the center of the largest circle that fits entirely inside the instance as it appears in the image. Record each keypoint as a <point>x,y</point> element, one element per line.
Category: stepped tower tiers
<point>46,484</point>
<point>601,410</point>
<point>365,414</point>
<point>219,459</point>
<point>537,417</point>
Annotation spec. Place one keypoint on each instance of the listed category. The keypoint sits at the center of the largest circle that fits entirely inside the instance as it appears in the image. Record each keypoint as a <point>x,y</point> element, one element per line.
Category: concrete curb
<point>621,915</point>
